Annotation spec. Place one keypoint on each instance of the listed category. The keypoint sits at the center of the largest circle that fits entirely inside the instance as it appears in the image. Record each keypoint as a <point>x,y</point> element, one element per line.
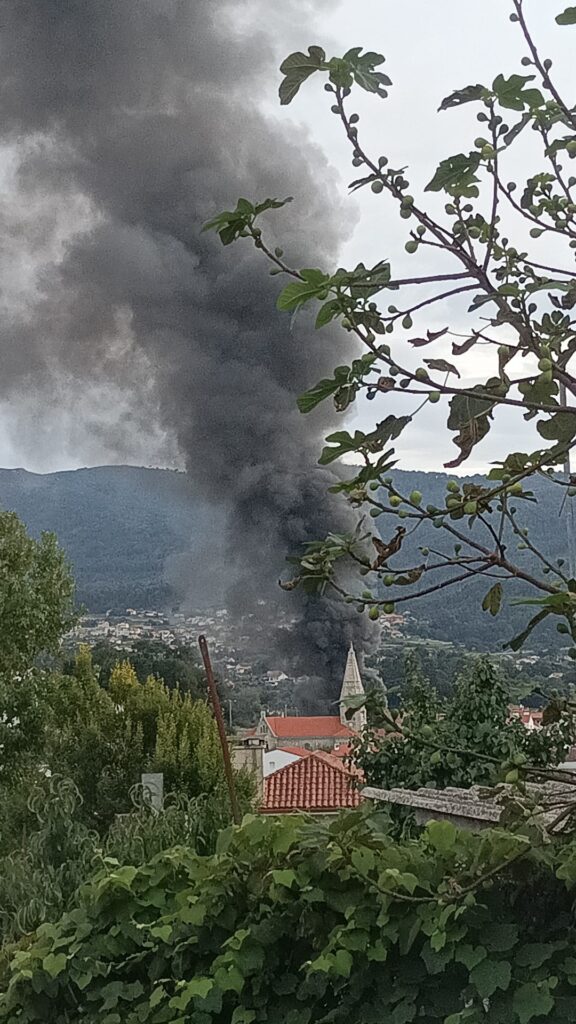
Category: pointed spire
<point>352,687</point>
<point>352,682</point>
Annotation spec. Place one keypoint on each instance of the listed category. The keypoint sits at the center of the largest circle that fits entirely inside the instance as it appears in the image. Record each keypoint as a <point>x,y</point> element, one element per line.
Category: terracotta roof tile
<point>294,727</point>
<point>297,751</point>
<point>342,750</point>
<point>315,783</point>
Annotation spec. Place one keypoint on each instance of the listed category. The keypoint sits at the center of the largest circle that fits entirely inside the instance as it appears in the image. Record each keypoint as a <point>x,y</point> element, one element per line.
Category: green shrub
<point>300,922</point>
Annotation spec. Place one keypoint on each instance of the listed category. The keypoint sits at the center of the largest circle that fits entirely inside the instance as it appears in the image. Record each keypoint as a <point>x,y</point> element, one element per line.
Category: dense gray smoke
<point>130,123</point>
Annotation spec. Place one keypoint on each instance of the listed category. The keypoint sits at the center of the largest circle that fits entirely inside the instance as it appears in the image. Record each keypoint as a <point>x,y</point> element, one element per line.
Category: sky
<point>431,49</point>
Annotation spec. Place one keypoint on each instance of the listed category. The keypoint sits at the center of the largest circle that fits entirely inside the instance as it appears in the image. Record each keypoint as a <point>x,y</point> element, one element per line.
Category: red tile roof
<point>526,714</point>
<point>297,751</point>
<point>342,750</point>
<point>335,756</point>
<point>320,726</point>
<point>316,783</point>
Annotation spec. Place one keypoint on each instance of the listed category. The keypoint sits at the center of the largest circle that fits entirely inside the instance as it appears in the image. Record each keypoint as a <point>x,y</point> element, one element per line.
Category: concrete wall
<point>276,759</point>
<point>309,743</point>
<point>250,758</point>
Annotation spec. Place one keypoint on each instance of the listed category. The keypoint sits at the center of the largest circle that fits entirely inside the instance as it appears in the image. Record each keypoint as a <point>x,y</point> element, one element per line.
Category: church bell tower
<point>352,687</point>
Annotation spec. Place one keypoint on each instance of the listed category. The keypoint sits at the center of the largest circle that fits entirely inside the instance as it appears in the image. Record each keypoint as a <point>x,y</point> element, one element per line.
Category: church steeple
<point>352,687</point>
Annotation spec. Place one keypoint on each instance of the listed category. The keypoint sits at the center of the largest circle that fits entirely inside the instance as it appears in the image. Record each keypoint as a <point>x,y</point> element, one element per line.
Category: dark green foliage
<point>56,852</point>
<point>103,739</point>
<point>310,923</point>
<point>74,766</point>
<point>464,740</point>
<point>71,751</point>
<point>177,666</point>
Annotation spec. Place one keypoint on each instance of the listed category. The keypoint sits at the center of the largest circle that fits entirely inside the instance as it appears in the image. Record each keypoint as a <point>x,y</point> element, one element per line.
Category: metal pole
<point>230,714</point>
<point>215,700</point>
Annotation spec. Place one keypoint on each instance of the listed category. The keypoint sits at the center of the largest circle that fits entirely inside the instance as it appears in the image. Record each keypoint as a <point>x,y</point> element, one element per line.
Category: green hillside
<point>132,535</point>
<point>122,527</point>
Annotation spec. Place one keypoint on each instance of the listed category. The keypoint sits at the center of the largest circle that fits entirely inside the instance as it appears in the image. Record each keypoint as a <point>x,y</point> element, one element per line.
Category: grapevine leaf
<point>530,1000</point>
<point>442,835</point>
<point>490,975</point>
<point>54,964</point>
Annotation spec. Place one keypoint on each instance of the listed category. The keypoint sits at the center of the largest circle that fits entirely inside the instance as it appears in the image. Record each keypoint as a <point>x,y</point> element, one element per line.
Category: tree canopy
<point>36,595</point>
<point>72,752</point>
<point>463,740</point>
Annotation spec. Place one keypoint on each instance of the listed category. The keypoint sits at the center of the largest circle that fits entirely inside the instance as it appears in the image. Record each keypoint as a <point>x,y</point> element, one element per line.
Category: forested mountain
<point>123,528</point>
<point>126,529</point>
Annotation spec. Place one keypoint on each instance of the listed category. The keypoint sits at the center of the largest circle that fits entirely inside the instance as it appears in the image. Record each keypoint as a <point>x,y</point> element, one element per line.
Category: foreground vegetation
<point>304,922</point>
<point>74,744</point>
<point>174,917</point>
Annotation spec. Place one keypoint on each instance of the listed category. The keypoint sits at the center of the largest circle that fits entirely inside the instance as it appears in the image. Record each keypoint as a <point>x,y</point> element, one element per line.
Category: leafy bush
<point>53,859</point>
<point>192,822</point>
<point>306,922</point>
<point>103,739</point>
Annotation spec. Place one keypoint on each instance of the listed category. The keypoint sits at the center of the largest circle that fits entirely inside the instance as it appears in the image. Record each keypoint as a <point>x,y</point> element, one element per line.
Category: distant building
<point>311,732</point>
<point>318,731</point>
<point>352,687</point>
<point>280,757</point>
<point>531,718</point>
<point>275,677</point>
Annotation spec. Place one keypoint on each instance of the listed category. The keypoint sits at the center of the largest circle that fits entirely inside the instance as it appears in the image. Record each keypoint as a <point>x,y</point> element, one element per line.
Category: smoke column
<point>131,122</point>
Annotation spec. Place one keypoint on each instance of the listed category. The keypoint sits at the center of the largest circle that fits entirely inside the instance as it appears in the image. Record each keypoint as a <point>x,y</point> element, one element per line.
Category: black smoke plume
<point>128,124</point>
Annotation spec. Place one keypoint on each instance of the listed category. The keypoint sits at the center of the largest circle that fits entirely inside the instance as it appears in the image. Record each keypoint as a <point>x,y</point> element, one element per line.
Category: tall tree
<point>36,595</point>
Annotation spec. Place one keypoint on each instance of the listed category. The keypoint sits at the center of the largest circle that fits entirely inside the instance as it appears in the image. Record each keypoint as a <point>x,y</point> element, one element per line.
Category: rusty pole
<point>215,701</point>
